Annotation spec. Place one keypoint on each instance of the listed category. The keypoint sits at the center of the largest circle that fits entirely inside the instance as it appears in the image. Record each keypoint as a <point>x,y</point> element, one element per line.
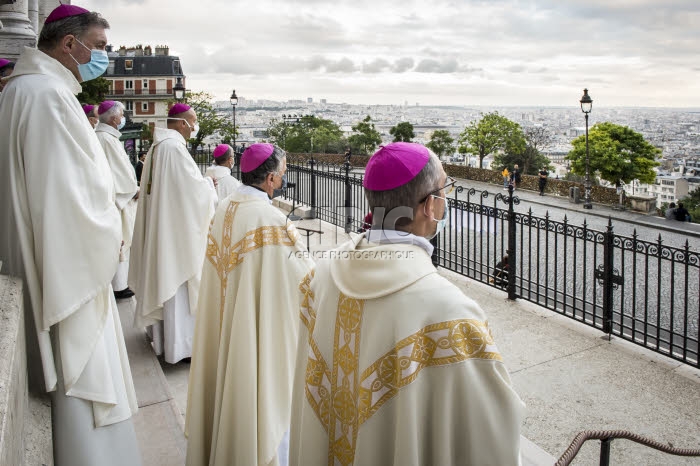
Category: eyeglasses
<point>449,187</point>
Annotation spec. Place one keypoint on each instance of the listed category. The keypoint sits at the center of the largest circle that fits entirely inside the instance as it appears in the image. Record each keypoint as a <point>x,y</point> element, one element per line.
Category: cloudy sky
<point>461,52</point>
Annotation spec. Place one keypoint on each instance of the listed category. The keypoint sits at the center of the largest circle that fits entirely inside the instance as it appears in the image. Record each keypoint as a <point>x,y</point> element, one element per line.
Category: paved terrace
<point>569,375</point>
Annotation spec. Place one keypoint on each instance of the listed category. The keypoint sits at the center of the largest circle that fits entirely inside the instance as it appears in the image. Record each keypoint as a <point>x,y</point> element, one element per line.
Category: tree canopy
<point>308,133</point>
<point>402,132</point>
<point>94,91</point>
<point>490,134</point>
<point>692,203</point>
<point>617,153</point>
<point>441,143</point>
<point>529,158</point>
<point>366,139</point>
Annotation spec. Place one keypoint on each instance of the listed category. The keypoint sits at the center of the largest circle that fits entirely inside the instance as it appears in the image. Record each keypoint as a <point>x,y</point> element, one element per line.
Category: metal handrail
<point>606,436</point>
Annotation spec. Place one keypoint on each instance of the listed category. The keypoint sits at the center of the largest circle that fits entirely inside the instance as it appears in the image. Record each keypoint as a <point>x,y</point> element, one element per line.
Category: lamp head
<point>586,102</point>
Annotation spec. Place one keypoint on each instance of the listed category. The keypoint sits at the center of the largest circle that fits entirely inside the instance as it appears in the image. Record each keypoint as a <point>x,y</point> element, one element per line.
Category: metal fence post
<point>608,278</point>
<point>512,262</point>
<point>348,199</point>
<point>605,452</point>
<point>237,161</point>
<point>312,162</point>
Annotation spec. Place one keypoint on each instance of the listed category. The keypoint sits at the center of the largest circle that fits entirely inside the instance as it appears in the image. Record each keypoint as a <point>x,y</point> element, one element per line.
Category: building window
<point>145,83</point>
<point>128,84</point>
<point>129,106</point>
<point>176,67</point>
<point>144,106</point>
<point>129,65</point>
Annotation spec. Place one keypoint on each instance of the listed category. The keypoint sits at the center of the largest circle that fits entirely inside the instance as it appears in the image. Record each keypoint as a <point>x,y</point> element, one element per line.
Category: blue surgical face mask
<point>121,123</point>
<point>99,60</point>
<point>442,223</point>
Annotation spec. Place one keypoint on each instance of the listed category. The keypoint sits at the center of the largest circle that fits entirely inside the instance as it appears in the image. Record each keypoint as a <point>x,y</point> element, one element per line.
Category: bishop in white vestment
<point>170,236</point>
<point>240,386</point>
<point>112,119</point>
<point>220,170</point>
<point>60,232</point>
<point>396,366</point>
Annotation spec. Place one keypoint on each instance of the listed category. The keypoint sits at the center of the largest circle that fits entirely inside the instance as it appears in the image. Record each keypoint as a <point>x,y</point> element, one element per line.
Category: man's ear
<point>428,206</point>
<point>67,43</point>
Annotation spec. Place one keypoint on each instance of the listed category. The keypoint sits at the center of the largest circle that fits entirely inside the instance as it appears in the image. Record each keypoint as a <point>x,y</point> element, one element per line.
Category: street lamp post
<point>179,90</point>
<point>234,102</point>
<point>586,107</point>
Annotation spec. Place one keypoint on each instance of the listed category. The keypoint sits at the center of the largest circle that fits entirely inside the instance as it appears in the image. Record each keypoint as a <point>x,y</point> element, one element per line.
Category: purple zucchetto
<point>178,109</point>
<point>395,165</point>
<point>255,155</point>
<point>4,62</point>
<point>87,108</point>
<point>104,106</point>
<point>221,150</point>
<point>64,11</point>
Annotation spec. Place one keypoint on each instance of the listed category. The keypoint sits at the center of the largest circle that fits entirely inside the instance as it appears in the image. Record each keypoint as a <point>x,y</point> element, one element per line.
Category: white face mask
<point>442,223</point>
<point>121,123</point>
<point>195,128</point>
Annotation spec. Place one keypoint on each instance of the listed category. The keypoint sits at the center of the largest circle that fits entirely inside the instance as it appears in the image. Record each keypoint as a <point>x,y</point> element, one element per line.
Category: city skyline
<point>628,53</point>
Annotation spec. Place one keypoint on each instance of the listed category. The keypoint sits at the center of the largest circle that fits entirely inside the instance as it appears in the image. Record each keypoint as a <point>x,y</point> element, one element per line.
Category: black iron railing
<point>638,290</point>
<point>607,436</point>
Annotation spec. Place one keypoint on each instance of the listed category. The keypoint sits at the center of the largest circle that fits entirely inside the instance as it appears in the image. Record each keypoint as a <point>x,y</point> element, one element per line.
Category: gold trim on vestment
<point>228,257</point>
<point>343,399</point>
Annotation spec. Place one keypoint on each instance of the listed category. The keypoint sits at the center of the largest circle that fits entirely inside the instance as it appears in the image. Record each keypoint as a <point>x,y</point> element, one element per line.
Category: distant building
<point>669,188</point>
<point>323,101</point>
<point>309,100</point>
<point>143,79</point>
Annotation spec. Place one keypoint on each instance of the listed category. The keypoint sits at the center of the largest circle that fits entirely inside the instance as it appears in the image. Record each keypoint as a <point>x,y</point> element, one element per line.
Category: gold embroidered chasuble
<point>246,333</point>
<point>397,367</point>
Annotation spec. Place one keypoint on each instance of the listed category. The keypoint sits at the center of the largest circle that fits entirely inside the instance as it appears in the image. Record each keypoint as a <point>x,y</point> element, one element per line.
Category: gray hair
<point>52,33</point>
<point>106,116</point>
<point>399,204</point>
<point>224,158</point>
<point>273,164</point>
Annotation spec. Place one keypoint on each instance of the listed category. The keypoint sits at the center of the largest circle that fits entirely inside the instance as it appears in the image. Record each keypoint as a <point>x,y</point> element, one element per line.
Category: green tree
<point>308,133</point>
<point>692,203</point>
<point>402,132</point>
<point>441,143</point>
<point>530,159</point>
<point>210,121</point>
<point>146,133</point>
<point>617,153</point>
<point>366,139</point>
<point>491,134</point>
<point>94,91</point>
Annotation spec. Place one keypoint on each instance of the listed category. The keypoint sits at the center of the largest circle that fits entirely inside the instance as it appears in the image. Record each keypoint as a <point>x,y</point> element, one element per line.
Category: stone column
<point>45,9</point>
<point>16,30</point>
<point>33,14</point>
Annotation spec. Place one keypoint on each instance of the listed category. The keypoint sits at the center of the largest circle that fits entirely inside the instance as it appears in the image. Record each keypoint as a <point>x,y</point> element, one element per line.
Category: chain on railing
<point>606,436</point>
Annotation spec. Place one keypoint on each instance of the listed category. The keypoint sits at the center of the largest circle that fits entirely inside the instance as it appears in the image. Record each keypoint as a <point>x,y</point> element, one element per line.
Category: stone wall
<point>13,372</point>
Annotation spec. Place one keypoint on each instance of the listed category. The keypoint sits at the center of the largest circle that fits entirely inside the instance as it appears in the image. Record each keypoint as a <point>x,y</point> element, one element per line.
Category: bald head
<point>184,123</point>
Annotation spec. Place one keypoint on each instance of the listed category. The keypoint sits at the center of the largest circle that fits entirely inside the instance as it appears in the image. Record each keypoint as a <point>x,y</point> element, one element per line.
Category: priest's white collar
<point>219,170</point>
<point>104,127</point>
<point>254,192</point>
<point>399,237</point>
